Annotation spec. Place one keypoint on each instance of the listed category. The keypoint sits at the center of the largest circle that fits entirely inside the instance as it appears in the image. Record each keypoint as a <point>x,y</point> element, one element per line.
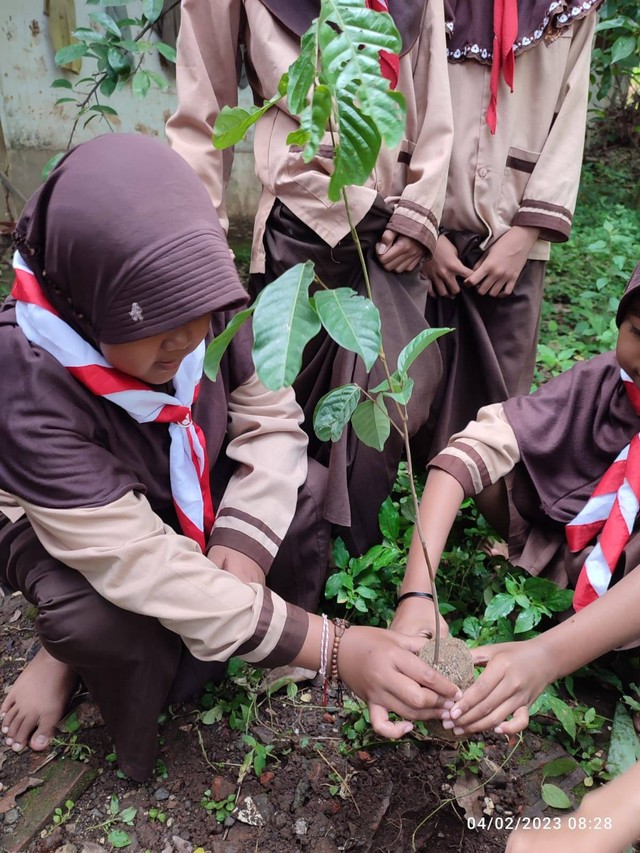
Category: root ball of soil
<point>455,661</point>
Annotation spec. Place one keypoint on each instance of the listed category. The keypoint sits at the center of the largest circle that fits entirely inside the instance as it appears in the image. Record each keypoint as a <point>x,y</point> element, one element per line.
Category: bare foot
<point>36,702</point>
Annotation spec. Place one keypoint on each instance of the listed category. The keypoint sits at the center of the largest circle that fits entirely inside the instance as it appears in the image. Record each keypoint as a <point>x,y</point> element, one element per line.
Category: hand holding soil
<point>382,668</point>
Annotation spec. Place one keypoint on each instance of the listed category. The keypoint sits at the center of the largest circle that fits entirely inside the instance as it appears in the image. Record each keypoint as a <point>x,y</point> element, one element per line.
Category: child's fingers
<point>517,723</point>
<point>485,693</point>
<point>496,719</point>
<point>385,727</point>
<point>417,671</point>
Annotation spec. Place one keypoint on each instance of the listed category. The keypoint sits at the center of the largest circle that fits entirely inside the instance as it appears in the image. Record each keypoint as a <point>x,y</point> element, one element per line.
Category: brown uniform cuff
<point>419,223</point>
<point>553,220</point>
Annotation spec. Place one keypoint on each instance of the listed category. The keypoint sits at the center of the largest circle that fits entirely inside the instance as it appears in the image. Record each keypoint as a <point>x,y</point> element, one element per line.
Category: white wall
<point>35,129</point>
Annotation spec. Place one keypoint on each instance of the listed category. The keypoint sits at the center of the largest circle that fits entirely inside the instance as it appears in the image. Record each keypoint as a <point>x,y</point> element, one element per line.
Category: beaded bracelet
<point>341,626</point>
<point>414,595</point>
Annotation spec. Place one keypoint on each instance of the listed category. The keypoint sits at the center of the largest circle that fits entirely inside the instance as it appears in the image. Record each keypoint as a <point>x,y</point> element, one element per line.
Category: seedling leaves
<point>352,321</point>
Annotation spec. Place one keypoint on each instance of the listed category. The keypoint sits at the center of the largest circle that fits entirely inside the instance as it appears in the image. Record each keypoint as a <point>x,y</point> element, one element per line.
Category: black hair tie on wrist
<point>415,595</point>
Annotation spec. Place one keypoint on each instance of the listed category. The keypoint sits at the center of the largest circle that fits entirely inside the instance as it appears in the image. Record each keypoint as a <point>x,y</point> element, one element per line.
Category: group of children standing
<point>152,515</point>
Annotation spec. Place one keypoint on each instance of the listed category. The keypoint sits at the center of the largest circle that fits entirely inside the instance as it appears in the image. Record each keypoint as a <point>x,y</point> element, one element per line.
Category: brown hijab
<point>470,24</point>
<point>571,429</point>
<point>123,221</point>
<point>297,15</point>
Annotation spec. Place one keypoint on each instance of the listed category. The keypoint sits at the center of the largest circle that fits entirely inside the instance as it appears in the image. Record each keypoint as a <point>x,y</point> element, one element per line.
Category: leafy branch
<point>336,89</point>
<point>119,59</point>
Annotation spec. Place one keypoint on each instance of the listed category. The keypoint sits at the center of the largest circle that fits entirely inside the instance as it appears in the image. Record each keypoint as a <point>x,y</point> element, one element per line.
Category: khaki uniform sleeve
<point>429,143</point>
<point>271,451</point>
<point>139,564</point>
<point>206,79</point>
<point>485,451</point>
<point>552,189</point>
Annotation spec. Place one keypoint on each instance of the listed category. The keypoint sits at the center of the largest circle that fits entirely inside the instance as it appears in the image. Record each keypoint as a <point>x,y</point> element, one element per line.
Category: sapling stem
<point>404,431</point>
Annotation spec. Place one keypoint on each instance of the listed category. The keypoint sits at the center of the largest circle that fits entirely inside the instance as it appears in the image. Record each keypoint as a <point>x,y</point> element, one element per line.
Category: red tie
<point>505,32</point>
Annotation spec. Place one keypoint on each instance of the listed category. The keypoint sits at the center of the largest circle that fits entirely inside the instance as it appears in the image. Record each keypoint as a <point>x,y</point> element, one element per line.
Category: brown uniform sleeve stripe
<point>292,639</point>
<point>478,461</point>
<point>456,467</point>
<point>233,512</point>
<point>418,208</point>
<point>245,544</point>
<point>264,623</point>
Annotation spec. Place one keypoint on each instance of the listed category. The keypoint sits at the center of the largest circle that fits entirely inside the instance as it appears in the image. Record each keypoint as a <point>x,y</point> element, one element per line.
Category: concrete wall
<point>34,130</point>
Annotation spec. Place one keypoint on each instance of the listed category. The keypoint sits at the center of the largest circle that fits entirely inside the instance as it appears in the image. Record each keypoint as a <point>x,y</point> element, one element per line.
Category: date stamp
<point>511,822</point>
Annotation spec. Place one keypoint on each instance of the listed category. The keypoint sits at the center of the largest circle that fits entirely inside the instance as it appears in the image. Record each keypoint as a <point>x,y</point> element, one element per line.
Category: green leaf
<point>526,620</point>
<point>555,797</point>
<point>167,51</point>
<point>341,556</point>
<point>118,61</point>
<point>283,323</point>
<point>314,120</point>
<point>564,714</point>
<point>499,606</point>
<point>65,101</point>
<point>366,592</point>
<point>357,152</point>
<point>371,423</point>
<point>119,838</point>
<point>140,84</point>
<point>233,122</point>
<point>413,349</point>
<point>107,87</point>
<point>106,21</point>
<point>302,73</point>
<point>103,109</point>
<point>403,395</point>
<point>219,344</point>
<point>352,321</point>
<point>50,165</point>
<point>558,767</point>
<point>114,805</point>
<point>212,716</point>
<point>389,520</point>
<point>334,411</point>
<point>61,83</point>
<point>69,53</point>
<point>128,815</point>
<point>622,48</point>
<point>336,583</point>
<point>624,748</point>
<point>152,9</point>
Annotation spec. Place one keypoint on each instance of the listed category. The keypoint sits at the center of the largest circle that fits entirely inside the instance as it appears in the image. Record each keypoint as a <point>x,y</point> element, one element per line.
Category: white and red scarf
<point>188,462</point>
<point>610,512</point>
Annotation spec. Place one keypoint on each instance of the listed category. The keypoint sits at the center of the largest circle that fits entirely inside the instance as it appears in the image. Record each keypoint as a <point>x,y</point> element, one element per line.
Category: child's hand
<point>515,675</point>
<point>398,253</point>
<point>417,618</point>
<point>382,668</point>
<point>498,269</point>
<point>236,563</point>
<point>444,268</point>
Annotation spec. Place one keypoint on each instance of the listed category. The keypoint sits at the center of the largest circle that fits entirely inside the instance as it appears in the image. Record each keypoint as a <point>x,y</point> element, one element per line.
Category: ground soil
<point>313,794</point>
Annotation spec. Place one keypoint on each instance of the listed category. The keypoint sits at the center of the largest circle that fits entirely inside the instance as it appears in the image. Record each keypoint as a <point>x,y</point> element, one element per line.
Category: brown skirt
<point>360,478</point>
<point>491,354</point>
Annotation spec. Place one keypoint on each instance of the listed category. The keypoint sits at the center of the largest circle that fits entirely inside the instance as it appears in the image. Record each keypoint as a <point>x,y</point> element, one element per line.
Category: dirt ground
<point>312,794</point>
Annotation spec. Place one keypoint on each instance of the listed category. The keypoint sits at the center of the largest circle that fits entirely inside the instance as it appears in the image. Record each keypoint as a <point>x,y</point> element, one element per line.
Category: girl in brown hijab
<point>148,563</point>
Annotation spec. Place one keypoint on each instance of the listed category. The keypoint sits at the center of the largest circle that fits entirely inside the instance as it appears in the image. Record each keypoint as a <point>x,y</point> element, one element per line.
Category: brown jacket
<point>412,176</point>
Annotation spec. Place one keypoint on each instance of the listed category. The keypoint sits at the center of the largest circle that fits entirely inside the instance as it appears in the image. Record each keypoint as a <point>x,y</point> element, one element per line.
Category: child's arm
<point>498,269</point>
<point>270,451</point>
<point>516,673</point>
<point>207,80</point>
<point>444,268</point>
<point>608,821</point>
<point>476,458</point>
<point>428,143</point>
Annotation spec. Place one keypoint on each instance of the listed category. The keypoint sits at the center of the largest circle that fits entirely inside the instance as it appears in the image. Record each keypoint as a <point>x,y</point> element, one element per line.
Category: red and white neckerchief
<point>389,62</point>
<point>505,33</point>
<point>188,463</point>
<point>611,512</point>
